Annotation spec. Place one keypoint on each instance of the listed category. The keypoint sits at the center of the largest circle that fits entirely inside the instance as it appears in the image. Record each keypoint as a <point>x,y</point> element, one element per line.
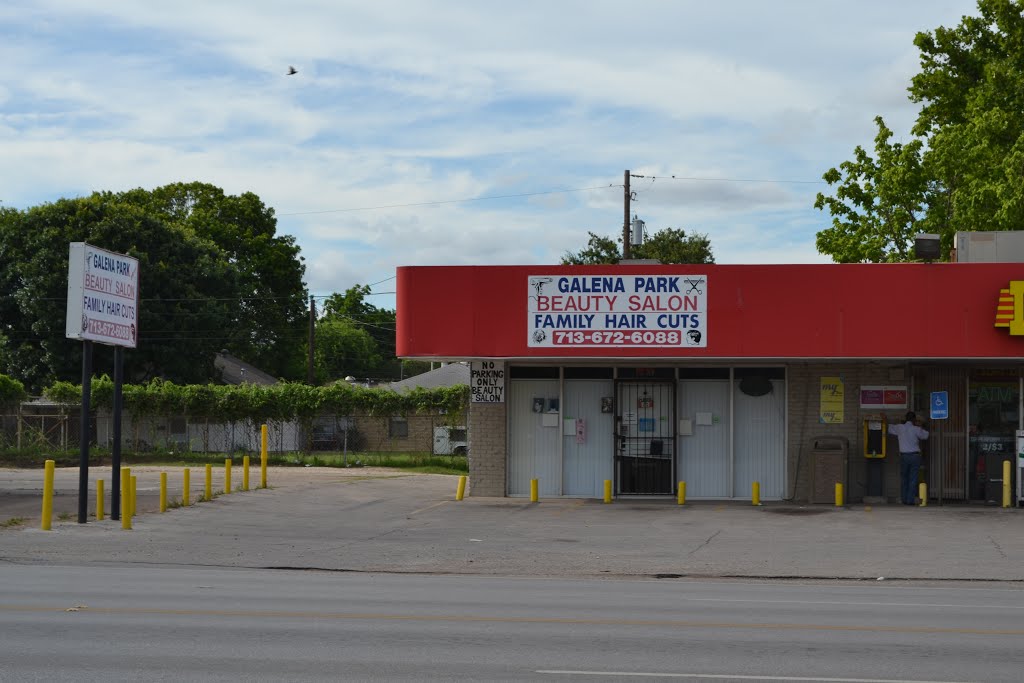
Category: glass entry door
<point>993,401</point>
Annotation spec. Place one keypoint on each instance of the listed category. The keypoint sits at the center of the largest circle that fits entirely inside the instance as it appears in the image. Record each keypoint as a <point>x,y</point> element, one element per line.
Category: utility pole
<point>312,340</point>
<point>625,217</point>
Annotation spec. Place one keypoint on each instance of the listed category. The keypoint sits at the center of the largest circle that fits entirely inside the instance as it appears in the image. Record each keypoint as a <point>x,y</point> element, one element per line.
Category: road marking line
<point>733,677</point>
<point>471,618</point>
<point>854,603</point>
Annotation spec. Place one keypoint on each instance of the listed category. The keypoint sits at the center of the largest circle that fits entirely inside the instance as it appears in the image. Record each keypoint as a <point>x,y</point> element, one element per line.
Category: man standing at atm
<point>910,436</point>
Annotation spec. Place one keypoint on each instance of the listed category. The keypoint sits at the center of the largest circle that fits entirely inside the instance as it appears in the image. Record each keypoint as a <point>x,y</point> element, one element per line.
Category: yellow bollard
<point>126,501</point>
<point>839,494</point>
<point>533,491</point>
<point>922,493</point>
<point>99,499</point>
<point>48,495</point>
<point>135,489</point>
<point>1006,483</point>
<point>755,493</point>
<point>185,492</point>
<point>209,483</point>
<point>227,475</point>
<point>681,493</point>
<point>245,473</point>
<point>263,457</point>
<point>163,492</point>
<point>460,490</point>
<point>607,490</point>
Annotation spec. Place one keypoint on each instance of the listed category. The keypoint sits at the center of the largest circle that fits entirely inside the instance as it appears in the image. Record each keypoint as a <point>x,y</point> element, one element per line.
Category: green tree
<point>178,269</point>
<point>270,305</point>
<point>352,306</point>
<point>878,204</point>
<point>963,168</point>
<point>199,295</point>
<point>669,245</point>
<point>343,349</point>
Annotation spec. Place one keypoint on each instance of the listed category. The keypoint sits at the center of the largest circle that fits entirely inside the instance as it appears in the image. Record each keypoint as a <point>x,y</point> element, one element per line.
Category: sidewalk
<point>388,521</point>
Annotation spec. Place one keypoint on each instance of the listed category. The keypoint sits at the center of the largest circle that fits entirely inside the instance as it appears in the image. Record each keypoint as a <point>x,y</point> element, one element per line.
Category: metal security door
<point>645,438</point>
<point>946,450</point>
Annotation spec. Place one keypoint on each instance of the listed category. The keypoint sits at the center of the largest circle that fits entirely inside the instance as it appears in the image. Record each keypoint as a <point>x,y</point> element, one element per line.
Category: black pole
<point>115,447</point>
<point>83,451</point>
<point>625,217</point>
<point>312,341</point>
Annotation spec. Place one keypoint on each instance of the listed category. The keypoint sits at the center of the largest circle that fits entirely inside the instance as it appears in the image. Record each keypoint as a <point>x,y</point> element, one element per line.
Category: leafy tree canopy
<point>962,168</point>
<point>201,290</point>
<point>347,323</point>
<point>670,245</point>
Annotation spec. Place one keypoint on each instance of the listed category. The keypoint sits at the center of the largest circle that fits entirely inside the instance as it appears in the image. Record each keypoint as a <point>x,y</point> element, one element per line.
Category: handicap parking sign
<point>940,405</point>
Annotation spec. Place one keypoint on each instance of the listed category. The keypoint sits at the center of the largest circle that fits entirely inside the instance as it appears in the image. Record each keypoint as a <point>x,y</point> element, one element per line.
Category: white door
<point>587,440</point>
<point>760,446</point>
<point>534,436</point>
<point>704,453</point>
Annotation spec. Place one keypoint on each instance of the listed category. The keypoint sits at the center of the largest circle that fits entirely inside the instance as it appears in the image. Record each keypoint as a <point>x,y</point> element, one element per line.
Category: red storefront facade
<point>720,375</point>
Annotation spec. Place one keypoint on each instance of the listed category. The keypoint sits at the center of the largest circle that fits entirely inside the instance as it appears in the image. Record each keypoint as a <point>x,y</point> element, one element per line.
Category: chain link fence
<point>58,427</point>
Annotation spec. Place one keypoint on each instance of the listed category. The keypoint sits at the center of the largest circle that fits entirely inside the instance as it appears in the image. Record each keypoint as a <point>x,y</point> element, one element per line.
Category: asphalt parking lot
<point>379,520</point>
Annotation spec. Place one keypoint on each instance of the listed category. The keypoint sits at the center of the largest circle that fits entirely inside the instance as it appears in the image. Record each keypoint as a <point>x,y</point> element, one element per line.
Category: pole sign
<point>103,296</point>
<point>940,405</point>
<point>617,311</point>
<point>487,382</point>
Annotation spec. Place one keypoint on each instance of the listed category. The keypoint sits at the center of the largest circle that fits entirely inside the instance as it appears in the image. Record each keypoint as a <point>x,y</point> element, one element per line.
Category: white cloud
<point>409,103</point>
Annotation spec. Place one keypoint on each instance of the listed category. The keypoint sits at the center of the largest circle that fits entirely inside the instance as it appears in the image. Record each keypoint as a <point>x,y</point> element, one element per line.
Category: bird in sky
<point>292,71</point>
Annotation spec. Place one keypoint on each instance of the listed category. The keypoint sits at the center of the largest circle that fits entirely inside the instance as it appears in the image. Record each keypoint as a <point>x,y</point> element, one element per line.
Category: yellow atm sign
<point>1010,309</point>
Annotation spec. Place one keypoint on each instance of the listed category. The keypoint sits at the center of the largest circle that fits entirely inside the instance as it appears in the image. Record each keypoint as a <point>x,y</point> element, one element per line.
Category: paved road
<point>385,521</point>
<point>89,623</point>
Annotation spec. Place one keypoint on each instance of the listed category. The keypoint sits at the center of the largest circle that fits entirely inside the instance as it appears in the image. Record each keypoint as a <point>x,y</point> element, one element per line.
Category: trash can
<point>828,467</point>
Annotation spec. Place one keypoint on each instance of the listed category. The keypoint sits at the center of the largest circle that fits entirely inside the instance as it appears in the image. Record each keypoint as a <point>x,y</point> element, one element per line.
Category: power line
<point>450,201</point>
<point>728,180</point>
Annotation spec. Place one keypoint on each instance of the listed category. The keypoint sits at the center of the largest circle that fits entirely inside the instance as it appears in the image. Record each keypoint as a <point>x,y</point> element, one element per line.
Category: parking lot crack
<point>706,541</point>
<point>998,548</point>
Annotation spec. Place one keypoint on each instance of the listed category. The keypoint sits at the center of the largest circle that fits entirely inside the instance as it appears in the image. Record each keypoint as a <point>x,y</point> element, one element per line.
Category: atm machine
<point>875,436</point>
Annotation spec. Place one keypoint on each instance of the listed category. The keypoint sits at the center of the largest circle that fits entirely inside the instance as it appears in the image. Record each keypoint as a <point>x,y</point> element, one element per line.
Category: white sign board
<point>103,296</point>
<point>487,381</point>
<point>617,311</point>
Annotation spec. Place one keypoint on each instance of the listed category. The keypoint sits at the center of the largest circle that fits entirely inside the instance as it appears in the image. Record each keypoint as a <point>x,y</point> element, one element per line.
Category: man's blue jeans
<point>910,465</point>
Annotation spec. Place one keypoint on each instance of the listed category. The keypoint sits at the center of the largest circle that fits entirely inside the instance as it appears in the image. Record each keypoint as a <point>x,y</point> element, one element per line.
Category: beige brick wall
<point>487,456</point>
<point>804,426</point>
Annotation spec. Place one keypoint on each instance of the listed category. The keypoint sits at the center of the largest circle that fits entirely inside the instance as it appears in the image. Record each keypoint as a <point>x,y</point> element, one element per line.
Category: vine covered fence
<point>227,418</point>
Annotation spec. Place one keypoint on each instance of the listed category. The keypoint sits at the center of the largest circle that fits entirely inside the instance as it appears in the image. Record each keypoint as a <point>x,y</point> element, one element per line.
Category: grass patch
<point>65,516</point>
<point>13,521</point>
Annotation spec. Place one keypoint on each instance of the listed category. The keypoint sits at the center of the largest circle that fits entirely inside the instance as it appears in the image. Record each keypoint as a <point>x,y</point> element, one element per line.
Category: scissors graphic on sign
<point>694,285</point>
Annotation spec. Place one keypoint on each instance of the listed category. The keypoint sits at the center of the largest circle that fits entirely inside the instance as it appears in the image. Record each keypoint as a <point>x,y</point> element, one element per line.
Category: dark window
<point>533,372</point>
<point>398,428</point>
<point>588,373</point>
<point>767,373</point>
<point>647,373</point>
<point>703,373</point>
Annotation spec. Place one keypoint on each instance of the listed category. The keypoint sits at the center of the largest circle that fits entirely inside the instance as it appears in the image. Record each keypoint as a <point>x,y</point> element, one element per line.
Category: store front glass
<point>993,404</point>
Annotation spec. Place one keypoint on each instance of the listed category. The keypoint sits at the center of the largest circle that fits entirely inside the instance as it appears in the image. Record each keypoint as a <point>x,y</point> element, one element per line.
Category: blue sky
<point>423,103</point>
